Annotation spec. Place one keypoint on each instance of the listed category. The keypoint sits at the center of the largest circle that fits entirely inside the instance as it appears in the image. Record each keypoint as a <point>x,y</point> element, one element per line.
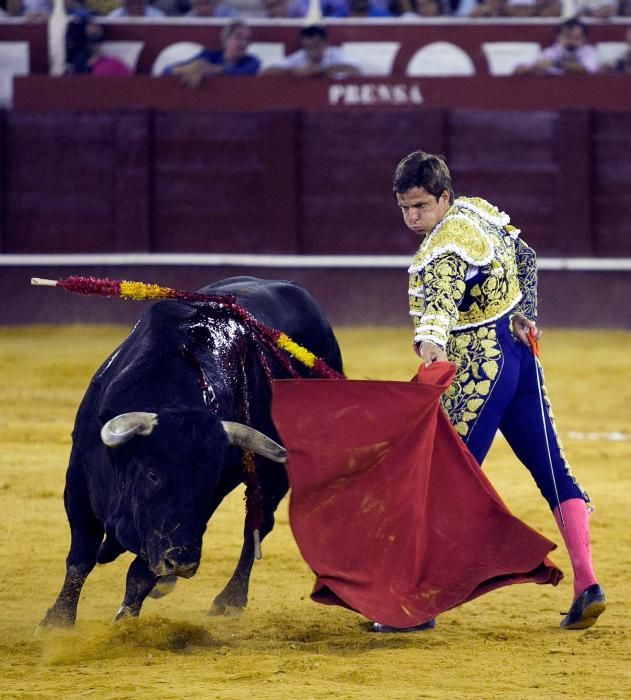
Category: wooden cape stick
<point>127,289</point>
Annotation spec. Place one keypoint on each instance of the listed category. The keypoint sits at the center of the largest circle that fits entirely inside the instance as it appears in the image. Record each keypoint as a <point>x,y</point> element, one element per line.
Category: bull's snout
<point>178,562</point>
<point>176,568</point>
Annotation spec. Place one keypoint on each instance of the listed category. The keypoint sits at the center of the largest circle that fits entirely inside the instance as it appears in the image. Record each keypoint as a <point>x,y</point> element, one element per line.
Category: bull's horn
<point>122,428</point>
<point>250,439</point>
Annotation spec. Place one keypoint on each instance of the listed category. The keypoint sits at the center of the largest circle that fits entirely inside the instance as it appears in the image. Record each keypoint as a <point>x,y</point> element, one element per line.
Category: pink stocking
<point>576,537</point>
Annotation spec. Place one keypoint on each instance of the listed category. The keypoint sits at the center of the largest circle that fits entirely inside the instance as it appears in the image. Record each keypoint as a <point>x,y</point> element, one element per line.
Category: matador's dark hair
<point>420,169</point>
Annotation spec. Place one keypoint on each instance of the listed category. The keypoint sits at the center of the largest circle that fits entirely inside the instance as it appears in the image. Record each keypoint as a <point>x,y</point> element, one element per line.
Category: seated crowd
<point>571,53</point>
<point>247,9</point>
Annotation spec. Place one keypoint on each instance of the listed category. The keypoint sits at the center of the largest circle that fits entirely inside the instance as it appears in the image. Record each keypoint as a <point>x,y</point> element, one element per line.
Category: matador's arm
<point>527,276</point>
<point>435,293</point>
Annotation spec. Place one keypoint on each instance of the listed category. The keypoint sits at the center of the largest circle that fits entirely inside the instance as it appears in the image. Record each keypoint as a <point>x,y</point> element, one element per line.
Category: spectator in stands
<point>315,59</point>
<point>599,9</point>
<point>76,8</point>
<point>365,9</point>
<point>212,8</point>
<point>83,51</point>
<point>231,59</point>
<point>329,8</point>
<point>101,7</point>
<point>489,8</point>
<point>281,9</point>
<point>506,8</point>
<point>40,10</point>
<point>533,8</point>
<point>622,64</point>
<point>458,8</point>
<point>514,8</point>
<point>413,9</point>
<point>248,9</point>
<point>429,8</point>
<point>569,54</point>
<point>172,8</point>
<point>136,8</point>
<point>31,10</point>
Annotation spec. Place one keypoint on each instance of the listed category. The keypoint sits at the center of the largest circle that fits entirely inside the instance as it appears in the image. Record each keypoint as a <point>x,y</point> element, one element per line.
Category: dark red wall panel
<point>573,233</point>
<point>60,173</point>
<point>612,183</point>
<point>3,182</point>
<point>76,182</point>
<point>347,167</point>
<point>225,182</point>
<point>132,205</point>
<point>510,159</point>
<point>207,183</point>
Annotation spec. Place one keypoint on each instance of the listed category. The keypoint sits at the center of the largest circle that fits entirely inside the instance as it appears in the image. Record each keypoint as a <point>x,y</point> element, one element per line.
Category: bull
<point>159,436</point>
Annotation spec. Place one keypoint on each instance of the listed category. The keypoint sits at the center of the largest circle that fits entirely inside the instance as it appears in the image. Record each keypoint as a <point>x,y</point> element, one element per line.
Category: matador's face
<point>422,210</point>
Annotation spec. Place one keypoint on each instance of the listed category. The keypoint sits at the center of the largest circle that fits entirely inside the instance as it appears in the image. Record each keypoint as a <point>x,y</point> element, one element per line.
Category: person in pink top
<point>108,65</point>
<point>569,54</point>
<point>83,51</point>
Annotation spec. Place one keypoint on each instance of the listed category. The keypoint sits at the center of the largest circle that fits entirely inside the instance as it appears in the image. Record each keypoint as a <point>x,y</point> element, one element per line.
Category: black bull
<point>152,455</point>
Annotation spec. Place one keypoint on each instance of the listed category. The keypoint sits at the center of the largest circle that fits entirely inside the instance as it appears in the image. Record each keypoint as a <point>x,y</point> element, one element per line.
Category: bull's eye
<point>153,478</point>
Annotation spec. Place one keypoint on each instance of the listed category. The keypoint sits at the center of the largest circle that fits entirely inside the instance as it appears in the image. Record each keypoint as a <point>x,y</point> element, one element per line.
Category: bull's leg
<point>63,612</point>
<point>140,581</point>
<point>232,600</point>
<point>86,534</point>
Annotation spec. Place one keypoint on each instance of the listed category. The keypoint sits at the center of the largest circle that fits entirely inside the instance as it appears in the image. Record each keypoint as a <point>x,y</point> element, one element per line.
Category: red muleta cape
<point>387,505</point>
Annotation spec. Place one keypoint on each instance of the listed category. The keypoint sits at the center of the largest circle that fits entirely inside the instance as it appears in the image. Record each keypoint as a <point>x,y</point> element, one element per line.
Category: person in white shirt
<point>316,59</point>
<point>136,8</point>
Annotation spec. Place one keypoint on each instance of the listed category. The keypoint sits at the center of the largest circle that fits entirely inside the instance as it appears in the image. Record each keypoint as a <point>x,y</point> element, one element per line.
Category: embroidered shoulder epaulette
<point>463,231</point>
<point>485,210</point>
<point>456,233</point>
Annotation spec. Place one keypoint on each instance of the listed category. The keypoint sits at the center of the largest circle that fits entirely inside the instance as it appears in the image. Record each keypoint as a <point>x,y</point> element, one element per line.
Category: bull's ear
<point>125,426</point>
<point>250,439</point>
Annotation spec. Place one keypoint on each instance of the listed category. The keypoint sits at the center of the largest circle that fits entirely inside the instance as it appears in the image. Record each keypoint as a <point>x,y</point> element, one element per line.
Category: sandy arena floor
<point>504,645</point>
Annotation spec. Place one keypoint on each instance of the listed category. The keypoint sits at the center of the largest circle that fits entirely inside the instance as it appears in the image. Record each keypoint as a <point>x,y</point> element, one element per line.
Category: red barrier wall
<point>300,180</point>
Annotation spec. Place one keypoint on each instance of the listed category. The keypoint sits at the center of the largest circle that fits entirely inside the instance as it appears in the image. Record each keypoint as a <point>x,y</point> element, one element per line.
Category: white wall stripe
<point>588,436</point>
<point>295,261</point>
<point>605,437</point>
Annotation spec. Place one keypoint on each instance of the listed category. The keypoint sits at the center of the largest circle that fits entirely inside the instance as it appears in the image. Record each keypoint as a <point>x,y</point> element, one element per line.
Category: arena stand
<point>140,178</point>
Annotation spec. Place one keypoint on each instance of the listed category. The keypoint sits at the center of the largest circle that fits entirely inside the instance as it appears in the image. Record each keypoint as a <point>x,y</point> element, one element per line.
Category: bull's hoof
<point>164,586</point>
<point>125,612</point>
<point>219,609</point>
<point>57,618</point>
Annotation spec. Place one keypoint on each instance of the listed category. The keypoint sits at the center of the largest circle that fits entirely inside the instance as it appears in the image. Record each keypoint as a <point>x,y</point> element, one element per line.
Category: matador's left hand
<point>521,328</point>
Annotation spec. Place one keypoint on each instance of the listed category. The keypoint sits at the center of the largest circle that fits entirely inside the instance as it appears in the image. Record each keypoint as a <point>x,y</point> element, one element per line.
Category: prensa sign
<point>350,94</point>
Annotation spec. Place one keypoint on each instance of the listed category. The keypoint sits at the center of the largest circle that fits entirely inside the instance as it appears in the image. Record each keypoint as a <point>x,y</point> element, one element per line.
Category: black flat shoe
<point>586,609</point>
<point>378,627</point>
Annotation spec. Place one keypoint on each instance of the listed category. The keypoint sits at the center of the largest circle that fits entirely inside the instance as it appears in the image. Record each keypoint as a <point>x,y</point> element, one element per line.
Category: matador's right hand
<point>431,353</point>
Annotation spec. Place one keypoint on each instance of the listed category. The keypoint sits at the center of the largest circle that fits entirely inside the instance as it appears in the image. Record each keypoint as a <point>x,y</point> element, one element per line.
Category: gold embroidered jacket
<point>471,269</point>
